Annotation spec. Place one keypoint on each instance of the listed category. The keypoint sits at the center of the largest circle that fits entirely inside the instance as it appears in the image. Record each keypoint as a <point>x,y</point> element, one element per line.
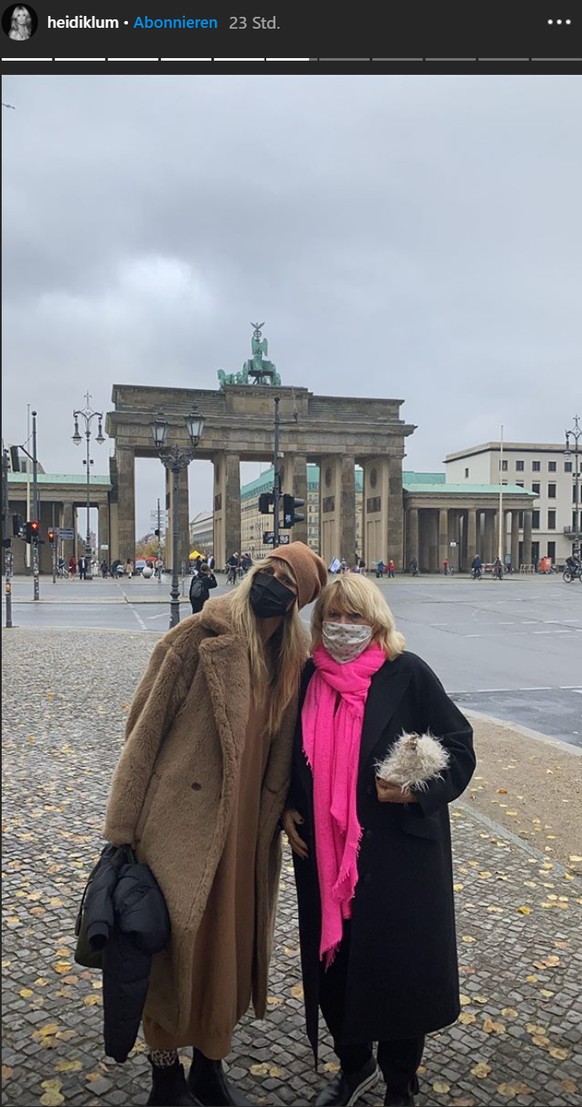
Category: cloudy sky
<point>411,237</point>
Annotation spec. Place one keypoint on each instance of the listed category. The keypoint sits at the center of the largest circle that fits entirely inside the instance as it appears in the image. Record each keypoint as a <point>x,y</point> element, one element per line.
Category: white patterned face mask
<point>345,641</point>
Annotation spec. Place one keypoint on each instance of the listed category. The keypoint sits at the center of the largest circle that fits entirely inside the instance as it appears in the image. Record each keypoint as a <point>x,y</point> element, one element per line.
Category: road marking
<point>138,617</point>
<point>510,624</point>
<point>472,635</point>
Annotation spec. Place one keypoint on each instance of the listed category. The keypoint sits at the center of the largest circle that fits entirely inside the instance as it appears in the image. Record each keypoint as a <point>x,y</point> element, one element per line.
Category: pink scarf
<point>332,721</point>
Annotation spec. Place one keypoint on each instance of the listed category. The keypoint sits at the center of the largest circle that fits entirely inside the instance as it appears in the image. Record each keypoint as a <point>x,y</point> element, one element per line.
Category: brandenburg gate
<point>337,433</point>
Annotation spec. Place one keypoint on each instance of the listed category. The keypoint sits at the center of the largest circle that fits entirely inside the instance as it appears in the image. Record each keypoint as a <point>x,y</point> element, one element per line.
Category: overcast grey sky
<point>410,237</point>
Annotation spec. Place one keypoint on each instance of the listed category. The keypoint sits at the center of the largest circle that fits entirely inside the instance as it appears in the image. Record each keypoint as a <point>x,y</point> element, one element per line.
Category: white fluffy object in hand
<point>413,761</point>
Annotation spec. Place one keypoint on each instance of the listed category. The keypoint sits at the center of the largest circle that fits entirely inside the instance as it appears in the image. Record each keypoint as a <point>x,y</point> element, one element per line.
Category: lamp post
<point>175,459</point>
<point>88,415</point>
<point>575,434</point>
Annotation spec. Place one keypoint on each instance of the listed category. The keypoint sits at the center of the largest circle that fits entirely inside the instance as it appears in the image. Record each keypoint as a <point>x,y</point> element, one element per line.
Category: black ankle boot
<point>206,1081</point>
<point>169,1087</point>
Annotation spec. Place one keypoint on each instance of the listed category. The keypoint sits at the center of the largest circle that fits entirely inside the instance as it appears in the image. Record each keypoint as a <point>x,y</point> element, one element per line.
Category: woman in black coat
<point>376,913</point>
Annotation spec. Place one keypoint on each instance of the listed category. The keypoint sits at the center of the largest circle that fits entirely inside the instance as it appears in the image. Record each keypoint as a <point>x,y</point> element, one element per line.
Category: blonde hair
<point>354,593</point>
<point>275,674</point>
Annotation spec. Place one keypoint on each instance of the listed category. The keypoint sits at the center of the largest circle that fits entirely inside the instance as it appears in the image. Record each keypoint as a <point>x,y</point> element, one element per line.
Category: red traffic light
<point>35,527</point>
<point>52,534</point>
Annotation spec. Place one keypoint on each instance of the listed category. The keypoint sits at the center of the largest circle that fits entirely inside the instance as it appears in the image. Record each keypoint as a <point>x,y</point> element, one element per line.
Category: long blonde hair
<point>354,593</point>
<point>275,672</point>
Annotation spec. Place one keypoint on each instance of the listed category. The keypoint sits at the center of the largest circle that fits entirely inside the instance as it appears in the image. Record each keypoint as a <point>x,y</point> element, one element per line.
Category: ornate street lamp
<point>176,458</point>
<point>575,434</point>
<point>88,415</point>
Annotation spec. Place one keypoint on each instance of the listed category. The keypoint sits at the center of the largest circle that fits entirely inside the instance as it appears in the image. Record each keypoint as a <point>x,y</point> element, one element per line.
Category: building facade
<point>544,471</point>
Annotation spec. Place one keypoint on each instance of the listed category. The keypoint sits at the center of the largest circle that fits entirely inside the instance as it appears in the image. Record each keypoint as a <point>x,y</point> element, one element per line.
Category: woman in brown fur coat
<point>198,792</point>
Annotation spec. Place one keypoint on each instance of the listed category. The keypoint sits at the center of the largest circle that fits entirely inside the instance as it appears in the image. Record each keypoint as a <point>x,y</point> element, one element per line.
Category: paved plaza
<point>518,882</point>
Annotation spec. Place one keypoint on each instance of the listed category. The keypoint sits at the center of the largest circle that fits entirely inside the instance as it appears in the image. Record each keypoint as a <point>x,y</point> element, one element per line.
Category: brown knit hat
<point>310,570</point>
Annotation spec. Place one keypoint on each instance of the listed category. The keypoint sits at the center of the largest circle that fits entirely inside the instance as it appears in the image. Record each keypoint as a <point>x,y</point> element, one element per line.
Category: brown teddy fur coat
<point>172,792</point>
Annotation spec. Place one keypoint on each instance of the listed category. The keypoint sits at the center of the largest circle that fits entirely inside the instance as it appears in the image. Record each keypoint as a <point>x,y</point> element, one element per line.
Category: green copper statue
<point>263,371</point>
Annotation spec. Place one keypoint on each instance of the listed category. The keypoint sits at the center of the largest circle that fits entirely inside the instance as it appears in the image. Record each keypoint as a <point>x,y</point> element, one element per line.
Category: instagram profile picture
<point>19,22</point>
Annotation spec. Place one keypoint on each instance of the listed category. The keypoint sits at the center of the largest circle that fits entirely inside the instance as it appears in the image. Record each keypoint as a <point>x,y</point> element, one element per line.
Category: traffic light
<point>32,531</point>
<point>290,515</point>
<point>52,536</point>
<point>265,502</point>
<point>17,525</point>
<point>157,533</point>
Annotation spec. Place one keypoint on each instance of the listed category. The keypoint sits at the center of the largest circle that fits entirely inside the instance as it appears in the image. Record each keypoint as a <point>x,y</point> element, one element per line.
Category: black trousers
<point>398,1059</point>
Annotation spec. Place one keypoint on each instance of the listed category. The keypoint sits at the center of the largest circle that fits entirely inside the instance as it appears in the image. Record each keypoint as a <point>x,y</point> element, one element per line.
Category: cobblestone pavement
<point>517,1041</point>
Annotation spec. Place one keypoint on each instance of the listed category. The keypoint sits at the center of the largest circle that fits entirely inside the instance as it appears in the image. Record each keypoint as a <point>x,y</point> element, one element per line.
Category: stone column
<point>515,540</point>
<point>125,457</point>
<point>413,550</point>
<point>395,513</point>
<point>337,508</point>
<point>471,535</point>
<point>68,520</point>
<point>227,528</point>
<point>489,535</point>
<point>527,526</point>
<point>295,483</point>
<point>103,534</point>
<point>348,510</point>
<point>443,537</point>
<point>375,523</point>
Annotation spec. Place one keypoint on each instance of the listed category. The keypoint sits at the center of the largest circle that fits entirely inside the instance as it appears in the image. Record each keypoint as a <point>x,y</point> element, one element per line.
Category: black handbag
<point>84,954</point>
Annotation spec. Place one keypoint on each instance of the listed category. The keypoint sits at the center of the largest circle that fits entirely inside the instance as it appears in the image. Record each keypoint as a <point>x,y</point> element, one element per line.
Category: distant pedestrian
<point>104,569</point>
<point>414,567</point>
<point>380,568</point>
<point>476,567</point>
<point>200,586</point>
<point>445,566</point>
<point>82,563</point>
<point>391,568</point>
<point>73,565</point>
<point>211,563</point>
<point>129,568</point>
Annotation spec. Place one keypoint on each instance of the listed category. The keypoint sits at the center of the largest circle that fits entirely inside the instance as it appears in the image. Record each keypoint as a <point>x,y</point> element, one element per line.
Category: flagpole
<point>500,550</point>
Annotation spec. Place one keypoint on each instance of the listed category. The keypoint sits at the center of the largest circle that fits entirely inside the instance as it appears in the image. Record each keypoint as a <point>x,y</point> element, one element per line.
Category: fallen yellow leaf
<point>297,991</point>
<point>68,1066</point>
<point>26,992</point>
<point>259,1070</point>
<point>509,1013</point>
<point>492,1027</point>
<point>467,1018</point>
<point>6,1072</point>
<point>569,1087</point>
<point>440,1087</point>
<point>532,1028</point>
<point>274,1001</point>
<point>523,910</point>
<point>575,857</point>
<point>276,1071</point>
<point>468,938</point>
<point>62,966</point>
<point>52,1099</point>
<point>465,1000</point>
<point>481,1070</point>
<point>331,1066</point>
<point>533,979</point>
<point>546,993</point>
<point>559,1054</point>
<point>540,1040</point>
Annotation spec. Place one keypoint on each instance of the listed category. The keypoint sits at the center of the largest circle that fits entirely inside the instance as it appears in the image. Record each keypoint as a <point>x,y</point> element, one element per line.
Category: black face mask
<point>269,597</point>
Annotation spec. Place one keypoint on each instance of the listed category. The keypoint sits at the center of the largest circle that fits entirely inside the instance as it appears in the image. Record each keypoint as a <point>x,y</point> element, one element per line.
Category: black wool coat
<point>402,978</point>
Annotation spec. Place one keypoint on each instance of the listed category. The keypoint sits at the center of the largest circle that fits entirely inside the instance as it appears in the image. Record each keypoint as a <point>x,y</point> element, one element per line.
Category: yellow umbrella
<point>194,554</point>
